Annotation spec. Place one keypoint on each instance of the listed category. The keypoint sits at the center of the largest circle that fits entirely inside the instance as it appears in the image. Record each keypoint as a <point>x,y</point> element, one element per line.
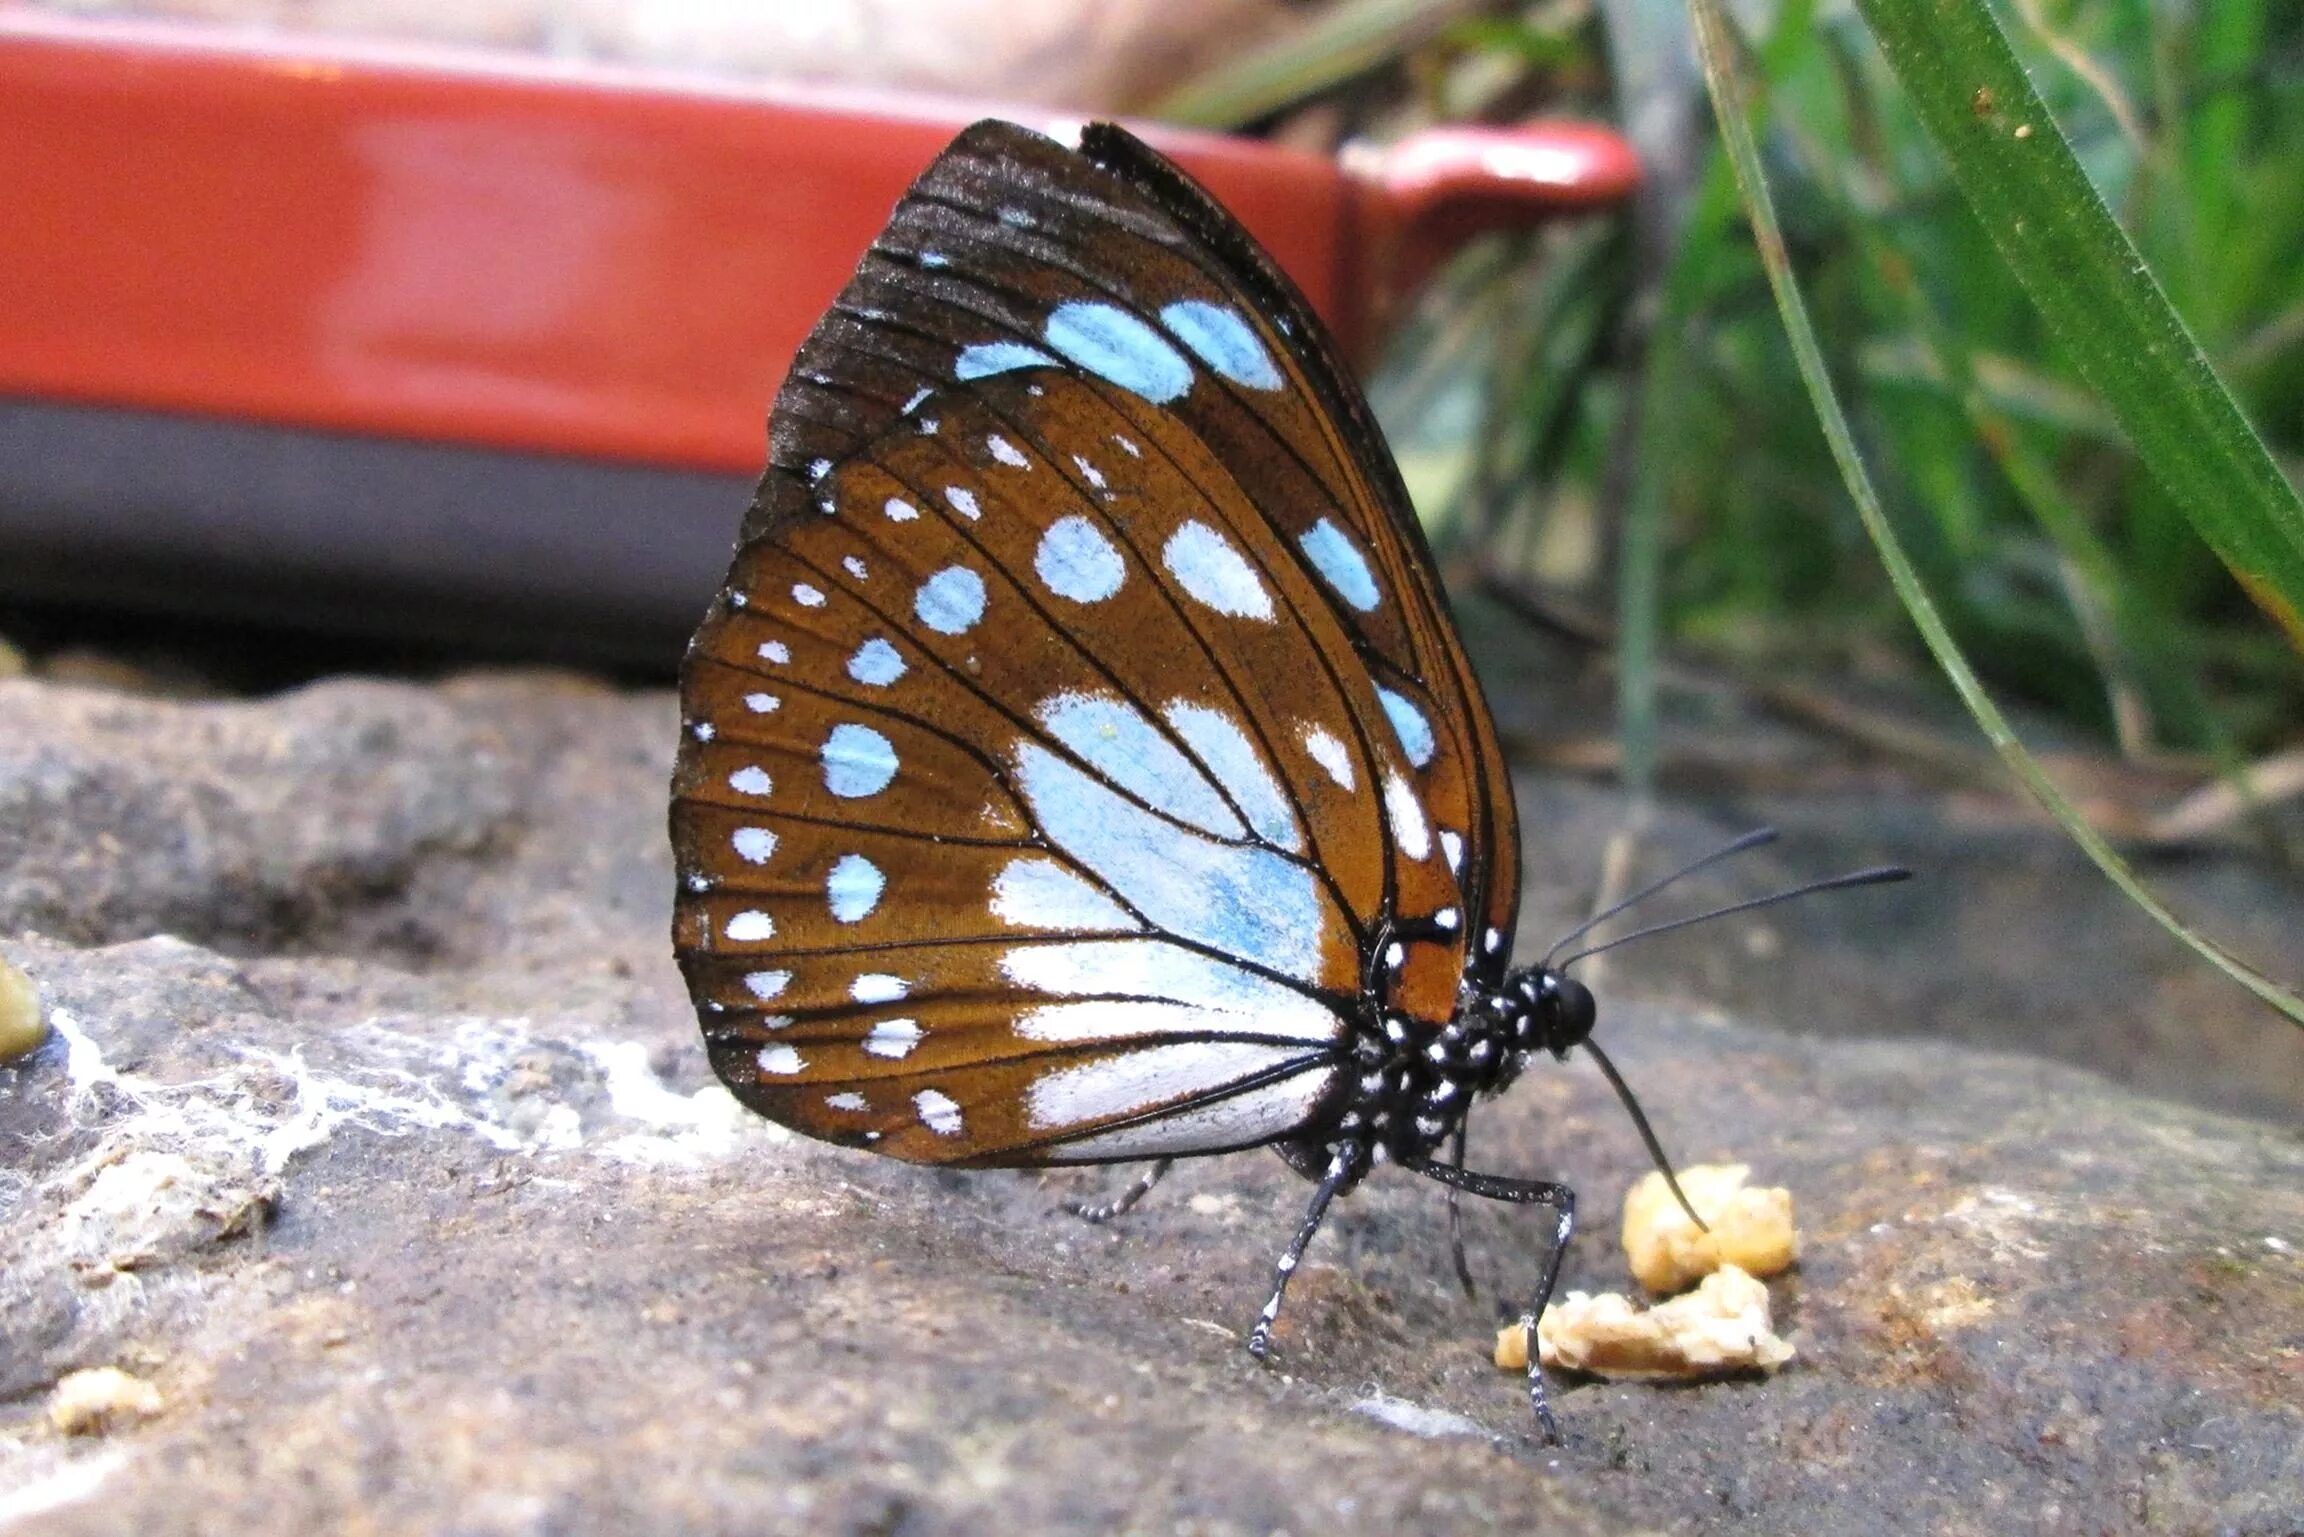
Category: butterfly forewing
<point>1079,754</point>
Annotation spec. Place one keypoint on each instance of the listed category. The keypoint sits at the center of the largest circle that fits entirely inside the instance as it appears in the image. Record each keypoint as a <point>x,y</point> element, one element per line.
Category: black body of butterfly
<point>1080,765</point>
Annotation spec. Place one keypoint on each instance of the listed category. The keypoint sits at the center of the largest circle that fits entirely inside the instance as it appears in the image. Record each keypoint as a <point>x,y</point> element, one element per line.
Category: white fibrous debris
<point>1722,1327</point>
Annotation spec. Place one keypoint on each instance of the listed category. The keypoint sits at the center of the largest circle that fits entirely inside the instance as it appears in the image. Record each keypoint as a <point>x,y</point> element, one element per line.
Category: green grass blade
<point>2019,174</point>
<point>1722,77</point>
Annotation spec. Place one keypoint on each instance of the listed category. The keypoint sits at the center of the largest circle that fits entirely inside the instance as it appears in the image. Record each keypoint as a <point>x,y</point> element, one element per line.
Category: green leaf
<point>2019,174</point>
<point>1722,77</point>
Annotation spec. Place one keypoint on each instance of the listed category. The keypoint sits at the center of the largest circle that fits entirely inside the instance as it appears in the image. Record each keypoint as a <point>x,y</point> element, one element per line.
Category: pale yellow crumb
<point>1752,1228</point>
<point>1722,1326</point>
<point>102,1398</point>
<point>21,1027</point>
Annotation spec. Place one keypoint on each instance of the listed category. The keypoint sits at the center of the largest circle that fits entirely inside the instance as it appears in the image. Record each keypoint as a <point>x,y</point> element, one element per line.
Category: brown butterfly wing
<point>1079,730</point>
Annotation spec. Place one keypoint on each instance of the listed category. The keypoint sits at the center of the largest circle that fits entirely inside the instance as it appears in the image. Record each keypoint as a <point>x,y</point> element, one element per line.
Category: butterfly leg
<point>1522,1192</point>
<point>1105,1211</point>
<point>1456,1214</point>
<point>1343,1167</point>
<point>1562,1200</point>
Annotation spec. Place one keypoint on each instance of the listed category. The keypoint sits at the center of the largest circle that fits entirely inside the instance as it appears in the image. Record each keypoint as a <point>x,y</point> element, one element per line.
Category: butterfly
<point>1080,764</point>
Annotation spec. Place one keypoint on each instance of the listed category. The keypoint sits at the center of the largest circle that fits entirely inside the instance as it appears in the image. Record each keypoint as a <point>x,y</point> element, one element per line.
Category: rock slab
<point>373,1133</point>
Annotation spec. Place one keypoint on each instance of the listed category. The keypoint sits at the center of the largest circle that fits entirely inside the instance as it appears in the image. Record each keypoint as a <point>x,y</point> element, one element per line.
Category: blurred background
<point>1515,391</point>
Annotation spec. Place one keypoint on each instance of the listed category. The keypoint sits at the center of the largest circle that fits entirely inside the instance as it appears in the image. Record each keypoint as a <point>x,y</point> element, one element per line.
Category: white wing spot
<point>1089,472</point>
<point>938,1113</point>
<point>877,987</point>
<point>806,595</point>
<point>1127,445</point>
<point>1206,565</point>
<point>1452,850</point>
<point>893,1038</point>
<point>1006,452</point>
<point>1406,813</point>
<point>775,651</point>
<point>1035,893</point>
<point>751,780</point>
<point>1130,1082</point>
<point>962,499</point>
<point>781,1060</point>
<point>899,510</point>
<point>1331,755</point>
<point>754,844</point>
<point>855,567</point>
<point>761,704</point>
<point>750,926</point>
<point>765,985</point>
<point>849,1100</point>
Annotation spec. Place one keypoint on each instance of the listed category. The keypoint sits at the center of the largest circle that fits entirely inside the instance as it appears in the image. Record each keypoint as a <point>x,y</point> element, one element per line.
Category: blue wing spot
<point>876,664</point>
<point>1336,558</point>
<point>858,761</point>
<point>1121,742</point>
<point>951,601</point>
<point>1076,561</point>
<point>1223,341</point>
<point>1409,724</point>
<point>1113,344</point>
<point>853,888</point>
<point>987,358</point>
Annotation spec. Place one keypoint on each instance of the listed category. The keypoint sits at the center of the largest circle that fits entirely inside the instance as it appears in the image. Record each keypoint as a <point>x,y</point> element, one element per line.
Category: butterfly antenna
<point>1750,840</point>
<point>1880,875</point>
<point>1647,1132</point>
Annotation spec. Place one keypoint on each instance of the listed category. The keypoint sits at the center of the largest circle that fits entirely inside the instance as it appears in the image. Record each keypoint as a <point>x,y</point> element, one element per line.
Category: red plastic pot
<point>389,337</point>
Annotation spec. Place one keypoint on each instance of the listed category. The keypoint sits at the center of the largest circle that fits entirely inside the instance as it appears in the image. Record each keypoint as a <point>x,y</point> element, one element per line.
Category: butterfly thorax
<point>1414,1082</point>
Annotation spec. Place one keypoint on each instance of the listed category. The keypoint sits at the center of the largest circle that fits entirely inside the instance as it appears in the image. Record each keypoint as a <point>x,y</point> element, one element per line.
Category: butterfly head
<point>1547,1010</point>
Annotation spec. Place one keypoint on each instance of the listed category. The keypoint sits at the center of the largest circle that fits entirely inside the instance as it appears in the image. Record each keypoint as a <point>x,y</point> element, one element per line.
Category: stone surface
<point>374,1133</point>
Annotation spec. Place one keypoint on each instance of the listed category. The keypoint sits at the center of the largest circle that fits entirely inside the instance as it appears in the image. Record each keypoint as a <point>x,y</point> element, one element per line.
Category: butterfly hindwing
<point>1079,734</point>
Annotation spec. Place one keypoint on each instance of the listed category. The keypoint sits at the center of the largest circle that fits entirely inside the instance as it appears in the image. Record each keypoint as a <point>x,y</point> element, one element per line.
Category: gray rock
<point>398,1170</point>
